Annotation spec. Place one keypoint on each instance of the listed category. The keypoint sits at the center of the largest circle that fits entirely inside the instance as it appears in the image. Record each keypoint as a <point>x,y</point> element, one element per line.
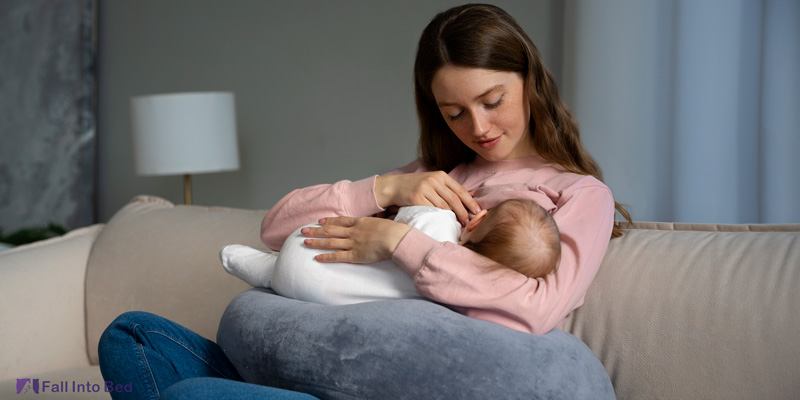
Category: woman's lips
<point>488,144</point>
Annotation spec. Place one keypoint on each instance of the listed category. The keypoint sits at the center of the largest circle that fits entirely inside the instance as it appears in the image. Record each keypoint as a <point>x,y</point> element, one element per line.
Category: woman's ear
<point>476,220</point>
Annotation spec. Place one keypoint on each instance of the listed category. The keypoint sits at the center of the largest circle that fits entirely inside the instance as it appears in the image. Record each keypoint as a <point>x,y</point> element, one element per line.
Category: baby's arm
<point>442,225</point>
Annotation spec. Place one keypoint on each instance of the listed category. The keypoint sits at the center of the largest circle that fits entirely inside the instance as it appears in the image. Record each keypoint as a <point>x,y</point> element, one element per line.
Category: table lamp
<point>184,134</point>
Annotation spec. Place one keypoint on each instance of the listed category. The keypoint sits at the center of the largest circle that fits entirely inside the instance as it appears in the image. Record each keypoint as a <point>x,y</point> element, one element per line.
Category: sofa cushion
<point>686,311</point>
<point>401,349</point>
<point>157,257</point>
<point>42,314</point>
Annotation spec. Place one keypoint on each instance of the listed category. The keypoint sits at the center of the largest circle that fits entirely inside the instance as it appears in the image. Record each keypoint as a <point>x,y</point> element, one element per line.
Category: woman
<point>490,116</point>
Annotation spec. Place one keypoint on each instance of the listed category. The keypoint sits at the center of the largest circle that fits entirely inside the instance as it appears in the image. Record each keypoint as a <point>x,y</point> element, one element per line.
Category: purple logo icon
<point>26,384</point>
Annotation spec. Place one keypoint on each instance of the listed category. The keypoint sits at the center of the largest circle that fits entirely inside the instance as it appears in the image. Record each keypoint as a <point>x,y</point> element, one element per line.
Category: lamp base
<point>187,189</point>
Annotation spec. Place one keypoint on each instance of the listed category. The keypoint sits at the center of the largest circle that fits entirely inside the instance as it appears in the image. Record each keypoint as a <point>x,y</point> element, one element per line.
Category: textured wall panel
<point>47,113</point>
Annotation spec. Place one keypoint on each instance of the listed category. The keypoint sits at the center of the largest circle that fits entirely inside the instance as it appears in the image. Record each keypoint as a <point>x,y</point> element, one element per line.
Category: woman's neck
<point>533,161</point>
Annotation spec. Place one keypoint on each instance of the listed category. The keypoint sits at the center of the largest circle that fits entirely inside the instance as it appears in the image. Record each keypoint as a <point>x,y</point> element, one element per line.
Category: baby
<point>518,234</point>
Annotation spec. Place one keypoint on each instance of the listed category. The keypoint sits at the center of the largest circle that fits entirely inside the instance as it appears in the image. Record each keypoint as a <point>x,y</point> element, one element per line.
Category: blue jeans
<point>150,357</point>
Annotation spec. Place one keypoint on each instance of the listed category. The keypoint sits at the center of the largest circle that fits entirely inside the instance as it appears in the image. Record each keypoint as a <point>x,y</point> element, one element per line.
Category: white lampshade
<point>184,133</point>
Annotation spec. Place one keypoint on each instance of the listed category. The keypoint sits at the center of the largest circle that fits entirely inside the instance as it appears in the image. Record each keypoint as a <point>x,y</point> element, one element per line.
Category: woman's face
<point>486,109</point>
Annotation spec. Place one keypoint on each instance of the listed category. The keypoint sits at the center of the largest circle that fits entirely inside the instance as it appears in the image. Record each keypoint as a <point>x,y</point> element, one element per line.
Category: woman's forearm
<point>308,205</point>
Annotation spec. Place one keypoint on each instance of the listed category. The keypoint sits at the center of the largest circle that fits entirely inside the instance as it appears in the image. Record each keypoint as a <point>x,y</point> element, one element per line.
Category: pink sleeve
<point>480,288</point>
<point>308,205</point>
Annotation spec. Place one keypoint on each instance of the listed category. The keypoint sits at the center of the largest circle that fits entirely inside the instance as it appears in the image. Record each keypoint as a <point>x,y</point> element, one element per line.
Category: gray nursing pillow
<point>401,349</point>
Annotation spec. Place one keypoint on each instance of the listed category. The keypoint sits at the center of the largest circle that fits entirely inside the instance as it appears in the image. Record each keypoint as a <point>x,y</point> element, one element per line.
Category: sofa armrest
<point>42,308</point>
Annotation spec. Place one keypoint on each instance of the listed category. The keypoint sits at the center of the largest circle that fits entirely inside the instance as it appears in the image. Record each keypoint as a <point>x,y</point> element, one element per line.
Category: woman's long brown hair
<point>484,36</point>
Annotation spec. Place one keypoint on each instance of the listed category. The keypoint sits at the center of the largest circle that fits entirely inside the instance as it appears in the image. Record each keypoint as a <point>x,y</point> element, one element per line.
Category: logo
<point>25,385</point>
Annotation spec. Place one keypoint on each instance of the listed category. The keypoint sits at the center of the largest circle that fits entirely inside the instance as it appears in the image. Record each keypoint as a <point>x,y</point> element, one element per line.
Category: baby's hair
<point>520,235</point>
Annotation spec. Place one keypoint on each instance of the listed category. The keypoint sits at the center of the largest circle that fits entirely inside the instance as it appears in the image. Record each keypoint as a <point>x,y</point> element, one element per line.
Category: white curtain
<point>691,107</point>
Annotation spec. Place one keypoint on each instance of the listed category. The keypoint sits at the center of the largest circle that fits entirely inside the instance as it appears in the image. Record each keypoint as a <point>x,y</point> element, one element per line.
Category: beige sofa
<point>677,311</point>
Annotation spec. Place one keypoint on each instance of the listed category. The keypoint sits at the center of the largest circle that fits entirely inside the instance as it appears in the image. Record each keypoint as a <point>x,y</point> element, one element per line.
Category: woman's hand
<point>435,189</point>
<point>361,240</point>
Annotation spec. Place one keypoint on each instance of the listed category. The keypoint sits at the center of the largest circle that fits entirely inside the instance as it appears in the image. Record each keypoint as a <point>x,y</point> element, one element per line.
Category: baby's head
<point>518,234</point>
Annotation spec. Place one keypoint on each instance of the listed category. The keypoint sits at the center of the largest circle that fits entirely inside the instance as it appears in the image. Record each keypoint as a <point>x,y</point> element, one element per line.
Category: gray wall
<point>323,88</point>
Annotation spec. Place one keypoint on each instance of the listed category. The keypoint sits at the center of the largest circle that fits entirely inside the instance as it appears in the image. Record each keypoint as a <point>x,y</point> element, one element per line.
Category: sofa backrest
<point>690,311</point>
<point>676,310</point>
<point>157,257</point>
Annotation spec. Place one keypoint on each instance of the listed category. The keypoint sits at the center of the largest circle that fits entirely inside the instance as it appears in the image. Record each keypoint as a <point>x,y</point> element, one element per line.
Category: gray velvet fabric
<point>401,349</point>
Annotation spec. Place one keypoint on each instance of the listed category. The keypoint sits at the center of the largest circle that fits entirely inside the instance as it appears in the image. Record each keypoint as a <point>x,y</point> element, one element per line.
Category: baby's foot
<point>248,264</point>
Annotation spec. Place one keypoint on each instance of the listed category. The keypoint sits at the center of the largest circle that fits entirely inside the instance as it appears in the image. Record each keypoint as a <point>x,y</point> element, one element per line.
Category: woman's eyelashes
<point>495,104</point>
<point>490,106</point>
<point>455,117</point>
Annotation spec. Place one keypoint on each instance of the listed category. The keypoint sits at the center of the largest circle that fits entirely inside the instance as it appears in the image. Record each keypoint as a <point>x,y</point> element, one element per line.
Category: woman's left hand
<point>361,240</point>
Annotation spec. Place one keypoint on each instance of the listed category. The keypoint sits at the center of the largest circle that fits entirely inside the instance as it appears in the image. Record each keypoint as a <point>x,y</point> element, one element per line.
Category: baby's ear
<point>476,220</point>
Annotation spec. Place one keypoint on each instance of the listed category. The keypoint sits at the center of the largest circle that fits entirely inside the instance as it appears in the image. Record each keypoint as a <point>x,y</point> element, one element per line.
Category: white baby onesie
<point>294,273</point>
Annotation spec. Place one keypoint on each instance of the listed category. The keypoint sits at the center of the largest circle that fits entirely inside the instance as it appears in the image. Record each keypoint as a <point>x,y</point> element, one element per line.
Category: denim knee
<point>122,327</point>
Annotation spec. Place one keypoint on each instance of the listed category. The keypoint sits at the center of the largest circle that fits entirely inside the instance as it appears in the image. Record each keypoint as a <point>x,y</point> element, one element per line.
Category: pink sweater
<point>450,274</point>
